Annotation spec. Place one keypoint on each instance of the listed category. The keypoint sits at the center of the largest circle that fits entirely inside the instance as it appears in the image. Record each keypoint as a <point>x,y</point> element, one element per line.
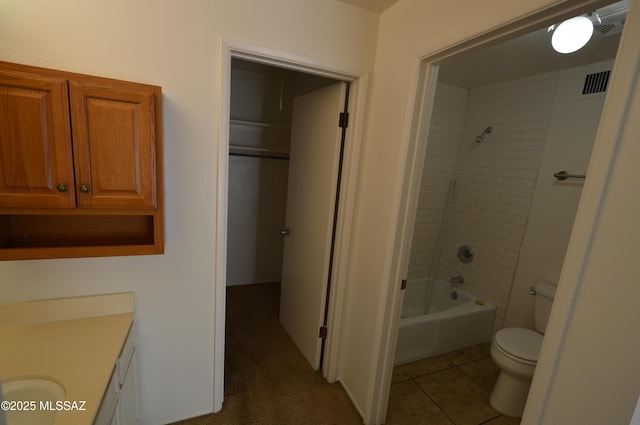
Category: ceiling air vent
<point>607,29</point>
<point>604,28</point>
<point>611,18</point>
<point>596,83</point>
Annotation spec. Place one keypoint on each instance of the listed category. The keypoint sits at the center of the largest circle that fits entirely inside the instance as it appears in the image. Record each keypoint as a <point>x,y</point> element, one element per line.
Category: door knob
<point>84,188</point>
<point>285,231</point>
<point>61,187</point>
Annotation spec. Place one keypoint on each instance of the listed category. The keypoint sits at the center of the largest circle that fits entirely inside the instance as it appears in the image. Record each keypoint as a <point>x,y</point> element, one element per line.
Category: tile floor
<point>450,389</point>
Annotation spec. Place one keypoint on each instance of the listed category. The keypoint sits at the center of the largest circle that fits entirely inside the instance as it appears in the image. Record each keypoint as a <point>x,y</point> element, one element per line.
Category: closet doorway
<point>285,152</point>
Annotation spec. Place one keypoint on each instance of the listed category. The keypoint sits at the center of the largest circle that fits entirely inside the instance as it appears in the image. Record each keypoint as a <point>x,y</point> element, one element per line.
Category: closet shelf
<point>260,124</point>
<point>257,152</point>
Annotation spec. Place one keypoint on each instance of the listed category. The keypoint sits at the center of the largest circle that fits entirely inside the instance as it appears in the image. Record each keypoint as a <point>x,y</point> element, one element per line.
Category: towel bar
<point>563,175</point>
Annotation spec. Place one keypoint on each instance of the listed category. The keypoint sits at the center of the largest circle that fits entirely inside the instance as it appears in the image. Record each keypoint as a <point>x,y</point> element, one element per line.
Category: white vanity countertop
<point>74,342</point>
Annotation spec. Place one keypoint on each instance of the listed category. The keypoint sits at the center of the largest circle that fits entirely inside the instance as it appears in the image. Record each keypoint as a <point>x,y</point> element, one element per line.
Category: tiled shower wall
<point>440,162</point>
<point>493,189</point>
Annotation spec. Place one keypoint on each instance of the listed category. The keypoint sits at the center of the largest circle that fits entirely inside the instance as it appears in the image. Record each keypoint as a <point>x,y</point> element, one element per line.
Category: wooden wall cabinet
<point>80,165</point>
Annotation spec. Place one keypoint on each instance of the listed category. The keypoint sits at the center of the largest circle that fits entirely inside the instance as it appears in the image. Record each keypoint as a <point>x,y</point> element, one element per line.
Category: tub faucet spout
<point>456,279</point>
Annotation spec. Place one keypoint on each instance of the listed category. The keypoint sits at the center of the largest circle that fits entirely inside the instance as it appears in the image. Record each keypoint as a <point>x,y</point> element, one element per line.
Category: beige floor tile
<point>468,354</point>
<point>399,375</point>
<point>425,366</point>
<point>462,400</point>
<point>408,404</point>
<point>483,371</point>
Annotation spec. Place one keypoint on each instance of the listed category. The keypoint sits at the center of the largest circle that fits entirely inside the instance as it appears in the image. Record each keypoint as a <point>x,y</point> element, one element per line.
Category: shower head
<point>480,137</point>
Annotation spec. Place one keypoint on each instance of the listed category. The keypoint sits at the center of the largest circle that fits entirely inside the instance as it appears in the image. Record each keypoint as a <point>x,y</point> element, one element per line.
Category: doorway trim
<point>425,77</point>
<point>231,48</point>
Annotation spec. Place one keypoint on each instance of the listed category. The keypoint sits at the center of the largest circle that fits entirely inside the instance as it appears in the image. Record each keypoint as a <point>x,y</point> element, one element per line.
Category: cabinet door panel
<point>114,145</point>
<point>35,142</point>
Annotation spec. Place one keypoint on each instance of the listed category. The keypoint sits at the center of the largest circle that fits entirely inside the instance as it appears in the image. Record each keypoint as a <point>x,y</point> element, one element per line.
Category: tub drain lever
<point>456,279</point>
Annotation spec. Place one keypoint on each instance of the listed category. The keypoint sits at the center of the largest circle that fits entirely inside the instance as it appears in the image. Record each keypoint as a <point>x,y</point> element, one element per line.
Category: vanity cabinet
<point>119,404</point>
<point>80,165</point>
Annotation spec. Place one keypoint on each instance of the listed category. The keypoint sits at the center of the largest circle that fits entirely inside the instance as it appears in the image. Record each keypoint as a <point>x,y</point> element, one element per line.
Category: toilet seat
<point>519,343</point>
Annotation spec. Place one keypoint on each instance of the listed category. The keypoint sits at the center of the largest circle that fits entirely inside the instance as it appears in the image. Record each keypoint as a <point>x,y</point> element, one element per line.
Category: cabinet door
<point>128,404</point>
<point>113,144</point>
<point>36,164</point>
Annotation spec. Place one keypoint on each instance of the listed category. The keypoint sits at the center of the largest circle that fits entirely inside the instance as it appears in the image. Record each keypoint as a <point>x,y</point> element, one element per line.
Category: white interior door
<point>311,194</point>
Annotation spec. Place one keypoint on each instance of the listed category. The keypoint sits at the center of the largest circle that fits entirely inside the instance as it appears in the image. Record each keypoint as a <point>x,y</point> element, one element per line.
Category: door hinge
<point>343,122</point>
<point>323,332</point>
<point>403,284</point>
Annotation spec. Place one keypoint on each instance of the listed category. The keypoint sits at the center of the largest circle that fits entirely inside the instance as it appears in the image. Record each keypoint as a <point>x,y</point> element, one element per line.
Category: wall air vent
<point>596,83</point>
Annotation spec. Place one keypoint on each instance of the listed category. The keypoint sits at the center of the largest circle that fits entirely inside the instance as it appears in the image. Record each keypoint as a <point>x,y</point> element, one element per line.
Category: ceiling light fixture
<point>571,35</point>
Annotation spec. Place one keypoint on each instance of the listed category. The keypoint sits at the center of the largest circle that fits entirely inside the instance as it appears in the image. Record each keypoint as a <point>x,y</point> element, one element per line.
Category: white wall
<point>636,415</point>
<point>174,45</point>
<point>587,370</point>
<point>409,30</point>
<point>569,142</point>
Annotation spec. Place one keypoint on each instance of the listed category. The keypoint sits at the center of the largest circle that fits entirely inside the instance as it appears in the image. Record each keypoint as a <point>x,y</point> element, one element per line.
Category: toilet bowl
<point>515,351</point>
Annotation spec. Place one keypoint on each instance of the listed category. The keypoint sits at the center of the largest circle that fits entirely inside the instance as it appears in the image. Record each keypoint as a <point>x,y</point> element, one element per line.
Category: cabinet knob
<point>84,188</point>
<point>62,187</point>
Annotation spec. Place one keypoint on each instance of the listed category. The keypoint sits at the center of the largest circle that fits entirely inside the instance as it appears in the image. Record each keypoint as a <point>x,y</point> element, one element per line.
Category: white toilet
<point>515,351</point>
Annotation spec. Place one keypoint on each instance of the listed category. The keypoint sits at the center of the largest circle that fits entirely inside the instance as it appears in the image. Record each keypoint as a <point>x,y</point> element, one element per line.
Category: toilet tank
<point>545,292</point>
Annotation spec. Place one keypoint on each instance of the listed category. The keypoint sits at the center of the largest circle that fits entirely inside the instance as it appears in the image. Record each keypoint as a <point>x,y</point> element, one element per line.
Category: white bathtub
<point>442,325</point>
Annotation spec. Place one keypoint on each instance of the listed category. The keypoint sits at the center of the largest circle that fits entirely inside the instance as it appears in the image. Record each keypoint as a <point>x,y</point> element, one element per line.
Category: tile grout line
<point>451,365</point>
<point>433,401</point>
<point>413,380</point>
<point>478,383</point>
<point>472,378</point>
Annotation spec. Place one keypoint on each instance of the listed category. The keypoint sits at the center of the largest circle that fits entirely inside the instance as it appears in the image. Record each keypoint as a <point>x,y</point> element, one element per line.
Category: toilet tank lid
<point>546,289</point>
